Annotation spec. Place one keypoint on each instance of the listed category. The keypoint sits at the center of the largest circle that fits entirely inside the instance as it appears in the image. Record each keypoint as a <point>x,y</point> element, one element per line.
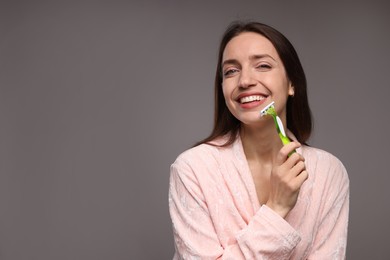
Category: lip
<point>251,105</point>
<point>246,94</point>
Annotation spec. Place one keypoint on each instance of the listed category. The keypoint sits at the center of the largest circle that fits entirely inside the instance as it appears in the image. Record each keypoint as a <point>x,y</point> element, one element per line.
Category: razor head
<point>268,110</point>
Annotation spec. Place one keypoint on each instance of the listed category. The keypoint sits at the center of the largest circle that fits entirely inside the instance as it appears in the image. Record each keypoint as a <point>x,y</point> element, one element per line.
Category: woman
<point>241,193</point>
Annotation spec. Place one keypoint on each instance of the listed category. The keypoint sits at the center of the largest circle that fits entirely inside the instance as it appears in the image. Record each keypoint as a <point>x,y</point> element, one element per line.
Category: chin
<point>249,117</point>
<point>251,121</point>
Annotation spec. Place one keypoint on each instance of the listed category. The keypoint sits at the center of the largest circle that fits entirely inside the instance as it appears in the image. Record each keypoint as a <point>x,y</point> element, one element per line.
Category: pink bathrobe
<point>216,214</point>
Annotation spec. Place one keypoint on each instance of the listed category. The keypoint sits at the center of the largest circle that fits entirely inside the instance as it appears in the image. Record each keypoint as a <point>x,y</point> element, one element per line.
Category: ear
<point>291,90</point>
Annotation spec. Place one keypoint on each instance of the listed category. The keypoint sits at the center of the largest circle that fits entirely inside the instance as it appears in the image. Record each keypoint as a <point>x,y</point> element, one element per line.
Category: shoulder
<point>202,161</point>
<point>196,166</point>
<point>202,154</point>
<point>324,164</point>
<point>314,153</point>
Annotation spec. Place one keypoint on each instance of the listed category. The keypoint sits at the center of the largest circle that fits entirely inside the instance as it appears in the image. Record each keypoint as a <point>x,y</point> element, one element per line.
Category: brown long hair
<point>299,120</point>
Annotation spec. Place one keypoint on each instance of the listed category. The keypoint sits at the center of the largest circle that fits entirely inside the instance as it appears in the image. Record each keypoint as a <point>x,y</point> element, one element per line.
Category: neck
<point>261,144</point>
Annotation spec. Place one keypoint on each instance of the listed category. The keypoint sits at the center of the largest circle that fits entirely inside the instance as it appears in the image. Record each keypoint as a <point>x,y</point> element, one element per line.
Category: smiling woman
<point>240,193</point>
<point>250,59</point>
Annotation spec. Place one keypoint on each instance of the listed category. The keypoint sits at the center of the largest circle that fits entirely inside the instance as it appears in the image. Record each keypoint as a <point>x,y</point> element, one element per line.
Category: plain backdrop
<point>98,98</point>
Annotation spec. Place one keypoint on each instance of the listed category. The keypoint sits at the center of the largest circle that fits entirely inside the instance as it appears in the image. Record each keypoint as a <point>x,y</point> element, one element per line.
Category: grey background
<point>98,98</point>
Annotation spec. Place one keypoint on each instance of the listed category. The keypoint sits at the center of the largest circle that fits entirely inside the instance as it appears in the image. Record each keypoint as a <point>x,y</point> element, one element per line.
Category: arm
<point>267,235</point>
<point>331,238</point>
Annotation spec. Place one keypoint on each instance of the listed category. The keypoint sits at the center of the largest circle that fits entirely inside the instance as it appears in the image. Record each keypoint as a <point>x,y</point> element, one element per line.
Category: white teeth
<point>251,98</point>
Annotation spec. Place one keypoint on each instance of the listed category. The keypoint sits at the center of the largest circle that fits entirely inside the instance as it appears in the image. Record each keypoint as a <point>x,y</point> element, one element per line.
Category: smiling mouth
<point>252,98</point>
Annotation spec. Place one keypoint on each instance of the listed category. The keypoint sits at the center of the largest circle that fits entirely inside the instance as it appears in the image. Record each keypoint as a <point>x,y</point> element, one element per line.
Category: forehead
<point>248,44</point>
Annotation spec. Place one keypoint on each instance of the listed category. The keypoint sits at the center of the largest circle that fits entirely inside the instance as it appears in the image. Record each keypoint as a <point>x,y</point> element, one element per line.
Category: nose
<point>246,79</point>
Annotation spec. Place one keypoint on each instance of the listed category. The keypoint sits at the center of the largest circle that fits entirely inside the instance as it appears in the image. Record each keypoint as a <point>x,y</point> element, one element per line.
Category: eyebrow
<point>252,57</point>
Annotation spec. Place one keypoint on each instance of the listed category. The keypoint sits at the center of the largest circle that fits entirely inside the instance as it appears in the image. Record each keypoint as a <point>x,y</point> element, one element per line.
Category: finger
<point>294,159</point>
<point>297,182</point>
<point>285,151</point>
<point>298,168</point>
<point>302,177</point>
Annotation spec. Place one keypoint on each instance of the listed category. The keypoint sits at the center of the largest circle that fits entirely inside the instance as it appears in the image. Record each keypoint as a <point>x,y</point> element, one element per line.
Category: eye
<point>229,72</point>
<point>264,66</point>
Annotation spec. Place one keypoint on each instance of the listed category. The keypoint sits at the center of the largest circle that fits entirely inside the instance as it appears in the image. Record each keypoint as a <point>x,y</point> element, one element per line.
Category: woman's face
<point>253,76</point>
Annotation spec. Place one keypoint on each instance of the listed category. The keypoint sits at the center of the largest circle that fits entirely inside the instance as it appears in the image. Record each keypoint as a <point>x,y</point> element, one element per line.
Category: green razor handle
<point>270,110</point>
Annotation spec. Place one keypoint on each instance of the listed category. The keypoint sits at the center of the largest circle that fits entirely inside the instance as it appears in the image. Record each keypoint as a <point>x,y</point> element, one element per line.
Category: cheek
<point>225,91</point>
<point>227,94</point>
<point>228,87</point>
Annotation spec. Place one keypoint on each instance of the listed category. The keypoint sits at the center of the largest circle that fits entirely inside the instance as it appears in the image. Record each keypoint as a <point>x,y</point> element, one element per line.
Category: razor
<point>270,111</point>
